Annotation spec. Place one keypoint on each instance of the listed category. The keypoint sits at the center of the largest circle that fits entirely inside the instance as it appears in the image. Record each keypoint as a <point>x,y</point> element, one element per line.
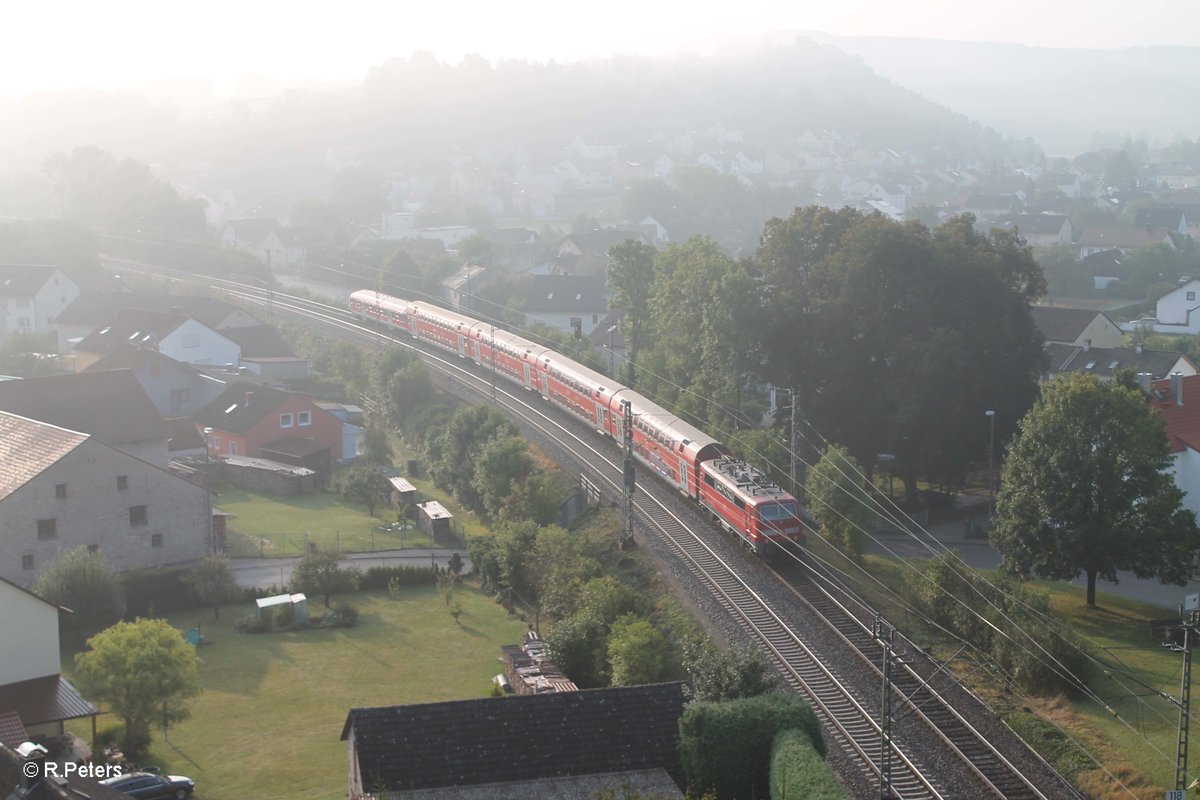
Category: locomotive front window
<point>778,511</point>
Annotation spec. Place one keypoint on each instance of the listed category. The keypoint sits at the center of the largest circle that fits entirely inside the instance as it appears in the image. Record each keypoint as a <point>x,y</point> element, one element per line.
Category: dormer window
<point>286,420</point>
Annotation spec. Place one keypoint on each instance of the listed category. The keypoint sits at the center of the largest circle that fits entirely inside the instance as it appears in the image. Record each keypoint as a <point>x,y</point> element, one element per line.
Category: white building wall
<point>34,624</point>
<point>1187,477</point>
<point>96,511</point>
<point>194,342</point>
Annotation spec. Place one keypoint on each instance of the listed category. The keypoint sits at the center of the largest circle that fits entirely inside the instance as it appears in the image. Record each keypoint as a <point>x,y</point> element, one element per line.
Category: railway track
<point>852,723</point>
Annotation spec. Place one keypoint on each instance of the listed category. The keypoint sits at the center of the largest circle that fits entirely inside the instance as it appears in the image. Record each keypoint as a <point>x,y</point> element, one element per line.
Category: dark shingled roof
<point>111,405</point>
<point>50,698</point>
<point>566,293</point>
<point>598,241</point>
<point>131,327</point>
<point>526,737</point>
<point>1161,217</point>
<point>97,307</point>
<point>230,411</point>
<point>259,341</point>
<point>1062,324</point>
<point>23,281</point>
<point>1037,224</point>
<point>12,731</point>
<point>1107,361</point>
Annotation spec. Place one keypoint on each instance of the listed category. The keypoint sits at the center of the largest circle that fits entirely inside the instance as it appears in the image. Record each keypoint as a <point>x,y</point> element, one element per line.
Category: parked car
<point>151,785</point>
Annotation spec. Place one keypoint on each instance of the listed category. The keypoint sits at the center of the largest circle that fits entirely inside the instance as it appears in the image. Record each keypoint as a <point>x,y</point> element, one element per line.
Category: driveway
<point>263,573</point>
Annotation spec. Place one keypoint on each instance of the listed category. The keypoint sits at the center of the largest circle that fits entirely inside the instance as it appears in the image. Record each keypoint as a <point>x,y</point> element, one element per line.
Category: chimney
<point>1087,345</point>
<point>249,397</point>
<point>1144,380</point>
<point>1177,387</point>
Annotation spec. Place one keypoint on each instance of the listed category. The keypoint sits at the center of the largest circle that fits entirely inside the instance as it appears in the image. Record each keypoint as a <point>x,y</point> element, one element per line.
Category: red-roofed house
<point>1177,399</point>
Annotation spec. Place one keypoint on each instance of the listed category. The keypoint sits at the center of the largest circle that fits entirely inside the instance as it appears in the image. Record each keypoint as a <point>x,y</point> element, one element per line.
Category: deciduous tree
<point>836,494</point>
<point>212,583</point>
<point>631,278</point>
<point>87,585</point>
<point>142,670</point>
<point>1087,487</point>
<point>320,572</point>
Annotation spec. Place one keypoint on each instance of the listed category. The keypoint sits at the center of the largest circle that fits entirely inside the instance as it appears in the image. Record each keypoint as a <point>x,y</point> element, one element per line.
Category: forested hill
<point>415,108</point>
<point>1059,96</point>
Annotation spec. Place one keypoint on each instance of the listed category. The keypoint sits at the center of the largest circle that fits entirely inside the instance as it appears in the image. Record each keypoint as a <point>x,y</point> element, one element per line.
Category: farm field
<point>268,722</point>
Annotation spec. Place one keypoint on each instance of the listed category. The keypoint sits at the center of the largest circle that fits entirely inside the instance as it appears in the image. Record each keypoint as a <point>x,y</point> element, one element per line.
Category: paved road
<point>264,573</point>
<point>977,552</point>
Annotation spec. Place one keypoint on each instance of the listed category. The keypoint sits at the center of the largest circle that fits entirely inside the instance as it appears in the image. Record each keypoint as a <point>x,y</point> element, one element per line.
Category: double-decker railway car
<point>696,464</point>
<point>747,503</point>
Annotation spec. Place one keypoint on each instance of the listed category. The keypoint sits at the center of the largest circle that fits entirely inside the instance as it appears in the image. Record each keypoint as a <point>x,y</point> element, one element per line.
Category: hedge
<point>379,577</point>
<point>725,746</point>
<point>798,773</point>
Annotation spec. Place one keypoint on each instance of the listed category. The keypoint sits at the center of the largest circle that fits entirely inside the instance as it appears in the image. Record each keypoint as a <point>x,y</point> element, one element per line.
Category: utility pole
<point>991,415</point>
<point>883,634</point>
<point>796,468</point>
<point>1189,620</point>
<point>629,484</point>
<point>493,365</point>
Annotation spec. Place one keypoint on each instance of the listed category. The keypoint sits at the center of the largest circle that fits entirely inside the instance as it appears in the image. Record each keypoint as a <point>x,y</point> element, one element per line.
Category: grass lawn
<point>269,720</point>
<point>1132,731</point>
<point>278,526</point>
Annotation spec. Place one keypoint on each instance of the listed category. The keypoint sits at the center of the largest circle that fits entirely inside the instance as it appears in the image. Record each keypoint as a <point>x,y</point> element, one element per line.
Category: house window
<point>304,418</point>
<point>122,483</point>
<point>60,491</point>
<point>191,340</point>
<point>1191,295</point>
<point>179,397</point>
<point>26,562</point>
<point>137,516</point>
<point>156,540</point>
<point>285,420</point>
<point>232,448</point>
<point>47,529</point>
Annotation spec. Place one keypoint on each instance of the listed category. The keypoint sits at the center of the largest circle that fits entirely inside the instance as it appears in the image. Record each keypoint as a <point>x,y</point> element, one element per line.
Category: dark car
<point>151,785</point>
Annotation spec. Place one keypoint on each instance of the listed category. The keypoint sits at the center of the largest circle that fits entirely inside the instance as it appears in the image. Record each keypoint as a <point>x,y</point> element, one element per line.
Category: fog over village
<point>633,402</point>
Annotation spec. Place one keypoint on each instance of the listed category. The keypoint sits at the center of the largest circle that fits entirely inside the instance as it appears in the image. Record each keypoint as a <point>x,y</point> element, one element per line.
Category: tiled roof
<point>23,281</point>
<point>112,405</point>
<point>1168,218</point>
<point>1062,324</point>
<point>51,698</point>
<point>240,407</point>
<point>565,293</point>
<point>1120,237</point>
<point>184,435</point>
<point>12,731</point>
<point>1107,361</point>
<point>131,327</point>
<point>28,448</point>
<point>259,341</point>
<point>520,738</point>
<point>1038,224</point>
<point>1106,264</point>
<point>598,241</point>
<point>294,446</point>
<point>1183,421</point>
<point>97,307</point>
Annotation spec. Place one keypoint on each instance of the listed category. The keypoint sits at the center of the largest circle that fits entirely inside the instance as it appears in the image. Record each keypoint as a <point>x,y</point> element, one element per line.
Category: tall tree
<point>212,583</point>
<point>87,585</point>
<point>1087,487</point>
<point>631,278</point>
<point>870,321</point>
<point>835,491</point>
<point>320,572</point>
<point>142,670</point>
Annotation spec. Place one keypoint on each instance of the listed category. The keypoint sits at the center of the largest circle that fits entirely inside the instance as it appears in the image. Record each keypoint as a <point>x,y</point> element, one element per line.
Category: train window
<point>739,504</point>
<point>709,480</point>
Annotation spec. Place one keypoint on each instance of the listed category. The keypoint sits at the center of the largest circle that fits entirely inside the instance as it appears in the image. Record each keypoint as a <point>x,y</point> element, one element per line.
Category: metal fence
<point>389,536</point>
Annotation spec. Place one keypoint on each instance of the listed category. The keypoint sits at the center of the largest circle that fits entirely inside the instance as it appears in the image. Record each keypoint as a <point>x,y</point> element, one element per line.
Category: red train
<point>697,465</point>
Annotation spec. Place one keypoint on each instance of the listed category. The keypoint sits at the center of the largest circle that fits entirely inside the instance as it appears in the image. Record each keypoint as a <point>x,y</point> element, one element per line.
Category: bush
<point>798,773</point>
<point>252,624</point>
<point>345,615</point>
<point>153,593</point>
<point>382,577</point>
<point>726,747</point>
<point>282,617</point>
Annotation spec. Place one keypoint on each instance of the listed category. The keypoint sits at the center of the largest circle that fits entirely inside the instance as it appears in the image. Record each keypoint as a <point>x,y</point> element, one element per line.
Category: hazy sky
<point>64,43</point>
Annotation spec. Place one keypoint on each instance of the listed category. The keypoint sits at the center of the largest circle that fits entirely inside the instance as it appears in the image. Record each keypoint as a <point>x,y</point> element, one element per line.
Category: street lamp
<point>991,415</point>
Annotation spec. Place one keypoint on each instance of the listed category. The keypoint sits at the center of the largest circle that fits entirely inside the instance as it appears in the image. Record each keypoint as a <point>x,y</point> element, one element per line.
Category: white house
<point>1177,310</point>
<point>567,302</point>
<point>31,684</point>
<point>1175,399</point>
<point>263,238</point>
<point>175,336</point>
<point>32,297</point>
<point>64,489</point>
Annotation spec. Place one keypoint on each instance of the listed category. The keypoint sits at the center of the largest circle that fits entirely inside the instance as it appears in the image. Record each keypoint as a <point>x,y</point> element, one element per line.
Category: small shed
<point>434,519</point>
<point>403,492</point>
<point>298,602</point>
